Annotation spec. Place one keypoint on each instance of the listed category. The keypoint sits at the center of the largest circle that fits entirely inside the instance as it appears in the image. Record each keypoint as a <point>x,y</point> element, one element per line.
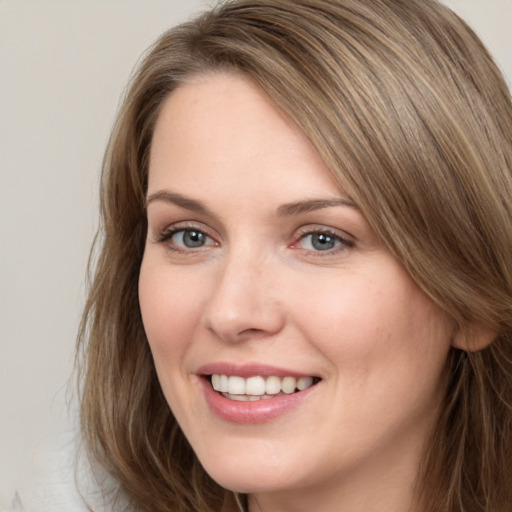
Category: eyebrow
<point>310,205</point>
<point>178,200</point>
<point>285,210</point>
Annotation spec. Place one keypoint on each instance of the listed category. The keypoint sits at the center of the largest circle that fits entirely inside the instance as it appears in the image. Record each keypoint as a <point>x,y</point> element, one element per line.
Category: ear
<point>473,337</point>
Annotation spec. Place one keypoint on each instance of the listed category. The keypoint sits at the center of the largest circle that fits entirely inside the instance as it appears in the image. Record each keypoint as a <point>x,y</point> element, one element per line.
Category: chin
<point>249,481</point>
<point>246,472</point>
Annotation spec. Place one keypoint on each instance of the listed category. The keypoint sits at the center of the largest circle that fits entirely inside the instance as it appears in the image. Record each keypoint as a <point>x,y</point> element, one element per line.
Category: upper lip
<point>249,370</point>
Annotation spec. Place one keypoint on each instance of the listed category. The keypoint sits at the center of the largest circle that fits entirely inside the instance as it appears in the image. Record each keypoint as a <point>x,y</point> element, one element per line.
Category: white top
<point>59,481</point>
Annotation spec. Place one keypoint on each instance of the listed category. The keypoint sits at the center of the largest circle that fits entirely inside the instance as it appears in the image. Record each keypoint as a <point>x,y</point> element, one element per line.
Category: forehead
<point>222,129</point>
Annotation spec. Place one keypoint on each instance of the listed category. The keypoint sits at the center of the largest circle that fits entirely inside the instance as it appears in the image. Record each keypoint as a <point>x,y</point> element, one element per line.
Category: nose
<point>243,304</point>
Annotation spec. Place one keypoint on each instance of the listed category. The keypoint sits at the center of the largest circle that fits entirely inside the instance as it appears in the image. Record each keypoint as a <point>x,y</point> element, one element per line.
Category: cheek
<point>387,345</point>
<point>378,331</point>
<point>346,315</point>
<point>170,308</point>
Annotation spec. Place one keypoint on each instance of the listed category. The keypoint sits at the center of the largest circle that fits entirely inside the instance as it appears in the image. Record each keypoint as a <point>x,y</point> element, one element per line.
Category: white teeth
<point>273,385</point>
<point>236,385</point>
<point>255,386</point>
<point>224,383</point>
<point>258,387</point>
<point>304,383</point>
<point>288,385</point>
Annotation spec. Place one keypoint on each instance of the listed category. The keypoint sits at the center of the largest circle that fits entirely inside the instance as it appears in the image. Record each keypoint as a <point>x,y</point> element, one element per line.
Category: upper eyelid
<point>179,229</point>
<point>164,234</point>
<point>305,230</point>
<point>186,225</point>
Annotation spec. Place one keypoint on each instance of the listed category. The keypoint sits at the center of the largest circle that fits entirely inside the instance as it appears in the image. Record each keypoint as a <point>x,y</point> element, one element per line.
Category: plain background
<point>63,67</point>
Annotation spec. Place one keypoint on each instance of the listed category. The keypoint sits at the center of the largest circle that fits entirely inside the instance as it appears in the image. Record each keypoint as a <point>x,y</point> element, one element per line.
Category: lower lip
<point>246,413</point>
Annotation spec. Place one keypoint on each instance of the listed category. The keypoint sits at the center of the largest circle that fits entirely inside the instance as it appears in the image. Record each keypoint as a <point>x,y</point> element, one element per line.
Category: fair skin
<point>258,265</point>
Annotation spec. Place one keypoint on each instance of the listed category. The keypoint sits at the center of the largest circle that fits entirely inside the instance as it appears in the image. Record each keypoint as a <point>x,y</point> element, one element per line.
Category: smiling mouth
<point>256,388</point>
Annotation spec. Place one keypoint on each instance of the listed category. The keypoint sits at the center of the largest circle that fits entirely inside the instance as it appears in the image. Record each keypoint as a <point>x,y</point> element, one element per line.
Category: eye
<point>186,238</point>
<point>190,238</point>
<point>322,241</point>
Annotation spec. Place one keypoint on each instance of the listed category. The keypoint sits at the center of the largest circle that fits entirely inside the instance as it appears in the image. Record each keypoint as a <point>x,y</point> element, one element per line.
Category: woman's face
<point>261,274</point>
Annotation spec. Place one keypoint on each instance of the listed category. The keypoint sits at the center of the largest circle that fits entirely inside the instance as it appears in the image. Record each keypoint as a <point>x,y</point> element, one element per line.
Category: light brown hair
<point>411,115</point>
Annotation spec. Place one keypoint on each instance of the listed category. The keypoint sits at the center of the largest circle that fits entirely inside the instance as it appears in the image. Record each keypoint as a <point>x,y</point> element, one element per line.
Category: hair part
<point>413,118</point>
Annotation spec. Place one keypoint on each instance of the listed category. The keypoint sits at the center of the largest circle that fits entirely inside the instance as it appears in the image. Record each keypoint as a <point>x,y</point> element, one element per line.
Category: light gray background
<point>63,66</point>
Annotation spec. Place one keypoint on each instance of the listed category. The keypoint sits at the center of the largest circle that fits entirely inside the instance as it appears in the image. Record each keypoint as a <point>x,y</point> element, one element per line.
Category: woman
<point>303,294</point>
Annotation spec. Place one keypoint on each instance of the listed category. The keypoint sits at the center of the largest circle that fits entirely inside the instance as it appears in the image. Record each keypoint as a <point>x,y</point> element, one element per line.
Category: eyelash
<point>167,234</point>
<point>343,242</point>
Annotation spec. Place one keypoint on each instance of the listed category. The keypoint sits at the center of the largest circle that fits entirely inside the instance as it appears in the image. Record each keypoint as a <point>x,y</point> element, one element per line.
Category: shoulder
<point>61,480</point>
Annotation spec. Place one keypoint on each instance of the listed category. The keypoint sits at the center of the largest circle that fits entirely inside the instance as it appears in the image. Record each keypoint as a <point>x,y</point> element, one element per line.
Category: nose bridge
<point>243,302</point>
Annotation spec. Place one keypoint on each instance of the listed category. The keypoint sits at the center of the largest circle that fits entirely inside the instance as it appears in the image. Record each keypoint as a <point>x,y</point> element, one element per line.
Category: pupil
<point>322,242</point>
<point>193,238</point>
